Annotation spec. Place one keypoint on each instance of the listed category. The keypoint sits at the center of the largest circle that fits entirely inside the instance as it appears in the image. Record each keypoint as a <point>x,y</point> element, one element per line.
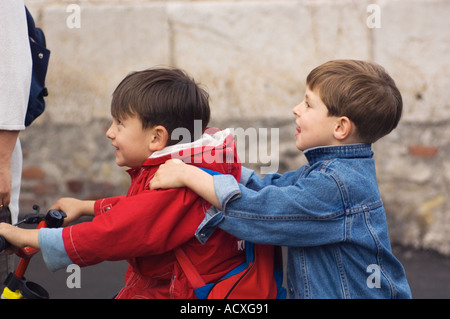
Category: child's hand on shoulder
<point>174,173</point>
<point>169,175</point>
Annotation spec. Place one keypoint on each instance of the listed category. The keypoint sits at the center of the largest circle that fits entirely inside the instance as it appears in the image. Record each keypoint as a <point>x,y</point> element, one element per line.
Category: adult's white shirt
<point>15,79</point>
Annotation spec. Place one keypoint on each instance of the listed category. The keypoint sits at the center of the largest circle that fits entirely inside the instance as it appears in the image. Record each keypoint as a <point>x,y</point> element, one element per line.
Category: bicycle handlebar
<point>53,219</point>
<point>16,286</point>
<point>3,244</point>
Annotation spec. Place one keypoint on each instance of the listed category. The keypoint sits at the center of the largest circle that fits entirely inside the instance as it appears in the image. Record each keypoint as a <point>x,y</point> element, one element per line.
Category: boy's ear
<point>159,138</point>
<point>343,129</point>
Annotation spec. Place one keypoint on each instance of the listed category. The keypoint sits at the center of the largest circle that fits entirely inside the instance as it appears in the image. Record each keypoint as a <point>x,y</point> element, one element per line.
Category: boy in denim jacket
<point>328,212</point>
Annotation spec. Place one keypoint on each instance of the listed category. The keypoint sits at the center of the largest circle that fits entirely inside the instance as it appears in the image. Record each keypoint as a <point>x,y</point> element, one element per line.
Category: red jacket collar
<point>214,149</point>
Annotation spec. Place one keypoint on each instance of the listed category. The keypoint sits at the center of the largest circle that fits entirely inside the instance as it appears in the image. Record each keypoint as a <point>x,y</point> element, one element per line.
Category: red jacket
<point>145,226</point>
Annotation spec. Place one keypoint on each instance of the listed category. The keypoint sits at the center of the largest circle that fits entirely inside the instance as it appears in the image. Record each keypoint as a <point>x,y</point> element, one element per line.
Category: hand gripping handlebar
<point>16,284</point>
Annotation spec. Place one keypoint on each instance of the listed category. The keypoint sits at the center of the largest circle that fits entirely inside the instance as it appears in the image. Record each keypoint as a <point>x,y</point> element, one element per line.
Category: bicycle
<point>16,285</point>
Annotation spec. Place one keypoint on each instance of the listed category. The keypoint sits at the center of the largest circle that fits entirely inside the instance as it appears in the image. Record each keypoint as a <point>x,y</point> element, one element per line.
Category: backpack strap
<point>189,270</point>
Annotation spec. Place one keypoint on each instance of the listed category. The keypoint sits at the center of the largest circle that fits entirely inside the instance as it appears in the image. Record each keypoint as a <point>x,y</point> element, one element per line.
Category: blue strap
<point>209,171</point>
<point>202,292</point>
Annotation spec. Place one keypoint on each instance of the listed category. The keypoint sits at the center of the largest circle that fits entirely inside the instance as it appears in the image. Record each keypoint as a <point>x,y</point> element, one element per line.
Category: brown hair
<point>162,96</point>
<point>362,91</point>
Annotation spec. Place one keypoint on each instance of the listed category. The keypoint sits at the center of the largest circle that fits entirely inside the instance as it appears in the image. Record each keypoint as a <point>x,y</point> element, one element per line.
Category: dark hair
<point>162,96</point>
<point>362,91</point>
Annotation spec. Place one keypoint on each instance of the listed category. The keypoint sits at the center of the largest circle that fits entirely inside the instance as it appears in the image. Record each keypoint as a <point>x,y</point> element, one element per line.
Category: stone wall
<point>253,56</point>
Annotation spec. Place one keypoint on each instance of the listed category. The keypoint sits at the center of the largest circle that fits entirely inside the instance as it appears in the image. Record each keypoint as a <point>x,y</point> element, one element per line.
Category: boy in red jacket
<point>150,110</point>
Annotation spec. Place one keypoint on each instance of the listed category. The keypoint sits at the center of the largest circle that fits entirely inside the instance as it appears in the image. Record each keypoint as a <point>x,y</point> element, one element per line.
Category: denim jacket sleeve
<point>308,212</point>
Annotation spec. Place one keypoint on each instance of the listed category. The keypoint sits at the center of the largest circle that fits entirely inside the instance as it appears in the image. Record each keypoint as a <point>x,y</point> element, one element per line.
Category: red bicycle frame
<point>25,255</point>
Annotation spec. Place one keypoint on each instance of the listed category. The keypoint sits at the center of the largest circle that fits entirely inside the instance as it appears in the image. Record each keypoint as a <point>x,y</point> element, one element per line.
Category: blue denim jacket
<point>330,216</point>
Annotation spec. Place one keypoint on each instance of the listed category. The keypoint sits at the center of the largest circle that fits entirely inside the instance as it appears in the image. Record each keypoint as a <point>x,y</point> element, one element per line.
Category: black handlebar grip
<point>3,244</point>
<point>55,218</point>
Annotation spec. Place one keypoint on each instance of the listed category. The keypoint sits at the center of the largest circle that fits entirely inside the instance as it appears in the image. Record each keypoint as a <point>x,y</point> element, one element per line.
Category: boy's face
<point>130,140</point>
<point>314,126</point>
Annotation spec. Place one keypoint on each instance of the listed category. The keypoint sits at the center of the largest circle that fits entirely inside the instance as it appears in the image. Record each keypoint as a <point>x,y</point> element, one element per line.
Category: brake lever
<point>31,219</point>
<point>34,218</point>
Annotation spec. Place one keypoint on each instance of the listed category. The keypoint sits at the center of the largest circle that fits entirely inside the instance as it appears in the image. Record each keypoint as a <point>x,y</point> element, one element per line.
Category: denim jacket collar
<point>322,153</point>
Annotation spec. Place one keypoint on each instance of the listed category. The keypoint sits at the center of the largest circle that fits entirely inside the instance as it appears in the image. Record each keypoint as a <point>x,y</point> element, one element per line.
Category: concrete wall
<point>253,56</point>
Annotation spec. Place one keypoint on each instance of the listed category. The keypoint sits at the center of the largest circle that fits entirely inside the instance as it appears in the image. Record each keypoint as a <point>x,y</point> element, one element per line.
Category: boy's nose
<point>296,110</point>
<point>109,133</point>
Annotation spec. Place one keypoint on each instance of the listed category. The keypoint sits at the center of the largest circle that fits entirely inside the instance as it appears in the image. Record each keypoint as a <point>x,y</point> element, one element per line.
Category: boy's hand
<point>19,237</point>
<point>174,173</point>
<point>4,231</point>
<point>170,175</point>
<point>74,208</point>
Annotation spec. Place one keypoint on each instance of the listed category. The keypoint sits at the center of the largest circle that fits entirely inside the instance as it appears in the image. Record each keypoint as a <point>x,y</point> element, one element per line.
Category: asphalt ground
<point>428,274</point>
